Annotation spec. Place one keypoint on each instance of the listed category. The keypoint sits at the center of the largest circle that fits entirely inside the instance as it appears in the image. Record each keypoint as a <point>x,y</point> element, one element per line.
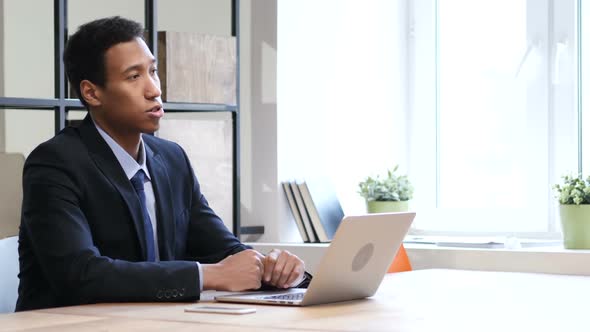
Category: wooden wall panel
<point>197,68</point>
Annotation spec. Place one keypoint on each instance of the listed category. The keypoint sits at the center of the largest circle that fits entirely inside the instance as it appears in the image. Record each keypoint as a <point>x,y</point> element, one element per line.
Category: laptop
<point>352,268</point>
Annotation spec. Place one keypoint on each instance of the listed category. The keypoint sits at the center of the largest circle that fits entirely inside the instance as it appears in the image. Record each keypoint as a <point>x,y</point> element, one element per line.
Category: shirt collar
<point>129,165</point>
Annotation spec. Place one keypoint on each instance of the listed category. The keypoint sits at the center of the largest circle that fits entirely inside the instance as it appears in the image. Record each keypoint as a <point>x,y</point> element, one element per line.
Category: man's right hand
<point>239,272</point>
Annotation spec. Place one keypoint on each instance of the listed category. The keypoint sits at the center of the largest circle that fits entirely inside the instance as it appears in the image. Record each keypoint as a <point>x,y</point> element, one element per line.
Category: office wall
<point>258,116</point>
<point>28,71</point>
<point>206,16</point>
<point>82,11</point>
<point>2,130</point>
<point>341,98</point>
<point>245,49</point>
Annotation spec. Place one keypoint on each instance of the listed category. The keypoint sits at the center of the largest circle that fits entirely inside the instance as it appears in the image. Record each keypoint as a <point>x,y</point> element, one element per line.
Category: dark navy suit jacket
<point>81,234</point>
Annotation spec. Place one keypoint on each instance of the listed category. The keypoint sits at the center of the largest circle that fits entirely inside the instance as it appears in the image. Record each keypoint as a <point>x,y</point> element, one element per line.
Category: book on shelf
<point>295,211</point>
<point>323,207</point>
<point>303,212</point>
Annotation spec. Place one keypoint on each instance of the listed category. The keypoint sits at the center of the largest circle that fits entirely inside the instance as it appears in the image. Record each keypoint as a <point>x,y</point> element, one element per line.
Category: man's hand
<point>239,272</point>
<point>282,269</point>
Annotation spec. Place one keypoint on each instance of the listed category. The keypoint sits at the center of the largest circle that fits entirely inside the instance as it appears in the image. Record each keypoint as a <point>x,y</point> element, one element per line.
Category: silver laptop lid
<point>358,257</point>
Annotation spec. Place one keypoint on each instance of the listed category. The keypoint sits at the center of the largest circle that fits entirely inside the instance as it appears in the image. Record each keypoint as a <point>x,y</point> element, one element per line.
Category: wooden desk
<point>441,300</point>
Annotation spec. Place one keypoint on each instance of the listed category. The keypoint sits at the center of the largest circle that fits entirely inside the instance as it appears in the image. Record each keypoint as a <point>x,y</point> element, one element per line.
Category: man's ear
<point>91,93</point>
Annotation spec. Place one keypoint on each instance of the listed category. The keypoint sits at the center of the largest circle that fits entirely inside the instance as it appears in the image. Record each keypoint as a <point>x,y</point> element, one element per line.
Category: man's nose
<point>153,88</point>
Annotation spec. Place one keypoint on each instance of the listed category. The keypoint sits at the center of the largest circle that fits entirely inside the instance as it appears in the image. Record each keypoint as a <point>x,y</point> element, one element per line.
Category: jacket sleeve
<point>59,234</point>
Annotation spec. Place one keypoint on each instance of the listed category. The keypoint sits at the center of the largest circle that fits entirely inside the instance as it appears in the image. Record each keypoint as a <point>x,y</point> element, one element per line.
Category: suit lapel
<point>163,195</point>
<point>106,161</point>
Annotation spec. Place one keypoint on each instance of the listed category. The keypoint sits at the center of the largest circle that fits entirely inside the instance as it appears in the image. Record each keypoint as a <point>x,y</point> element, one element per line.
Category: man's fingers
<point>260,261</point>
<point>286,273</point>
<point>296,275</point>
<point>258,254</point>
<point>260,264</point>
<point>282,269</point>
<point>279,266</point>
<point>269,264</point>
<point>257,258</point>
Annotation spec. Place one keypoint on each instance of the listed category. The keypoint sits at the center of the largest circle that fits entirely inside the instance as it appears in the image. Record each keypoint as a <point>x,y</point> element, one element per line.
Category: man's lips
<point>156,111</point>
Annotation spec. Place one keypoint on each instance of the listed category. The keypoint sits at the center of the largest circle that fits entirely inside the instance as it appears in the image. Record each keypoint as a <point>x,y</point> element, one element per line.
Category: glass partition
<point>203,16</point>
<point>208,141</point>
<point>27,50</point>
<point>25,129</point>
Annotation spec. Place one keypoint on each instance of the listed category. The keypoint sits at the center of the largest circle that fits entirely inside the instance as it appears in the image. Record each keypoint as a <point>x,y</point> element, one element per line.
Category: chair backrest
<point>8,273</point>
<point>11,192</point>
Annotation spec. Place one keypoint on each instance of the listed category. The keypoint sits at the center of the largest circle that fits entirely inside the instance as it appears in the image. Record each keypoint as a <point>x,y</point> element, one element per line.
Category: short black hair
<point>85,50</point>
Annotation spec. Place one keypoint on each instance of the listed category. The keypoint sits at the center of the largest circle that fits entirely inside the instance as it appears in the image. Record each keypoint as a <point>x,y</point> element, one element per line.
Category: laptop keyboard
<point>290,297</point>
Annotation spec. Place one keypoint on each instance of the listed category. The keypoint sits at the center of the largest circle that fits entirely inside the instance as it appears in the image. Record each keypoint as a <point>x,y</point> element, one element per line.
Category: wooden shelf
<point>32,103</point>
<point>197,107</point>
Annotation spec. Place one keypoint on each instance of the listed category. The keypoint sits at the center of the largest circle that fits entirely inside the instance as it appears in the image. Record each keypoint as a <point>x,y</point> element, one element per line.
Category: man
<point>110,214</point>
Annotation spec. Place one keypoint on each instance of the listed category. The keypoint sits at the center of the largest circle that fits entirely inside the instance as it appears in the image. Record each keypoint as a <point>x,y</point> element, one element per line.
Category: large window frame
<point>559,53</point>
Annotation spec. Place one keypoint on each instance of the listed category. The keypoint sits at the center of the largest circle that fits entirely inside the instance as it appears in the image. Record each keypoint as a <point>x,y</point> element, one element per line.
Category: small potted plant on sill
<point>388,194</point>
<point>574,211</point>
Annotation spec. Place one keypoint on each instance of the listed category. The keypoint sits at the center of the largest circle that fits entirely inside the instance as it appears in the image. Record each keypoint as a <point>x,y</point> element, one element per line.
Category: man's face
<point>130,101</point>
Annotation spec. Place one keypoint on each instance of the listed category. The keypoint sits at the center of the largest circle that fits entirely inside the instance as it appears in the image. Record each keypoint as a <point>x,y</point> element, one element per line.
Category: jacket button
<point>159,294</point>
<point>181,293</point>
<point>168,293</point>
<point>174,293</point>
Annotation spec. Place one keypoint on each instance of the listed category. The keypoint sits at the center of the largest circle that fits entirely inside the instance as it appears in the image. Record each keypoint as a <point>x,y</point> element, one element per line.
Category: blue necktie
<point>137,182</point>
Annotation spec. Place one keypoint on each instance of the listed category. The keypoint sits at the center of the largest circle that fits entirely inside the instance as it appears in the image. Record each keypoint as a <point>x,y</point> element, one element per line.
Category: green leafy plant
<point>573,190</point>
<point>391,188</point>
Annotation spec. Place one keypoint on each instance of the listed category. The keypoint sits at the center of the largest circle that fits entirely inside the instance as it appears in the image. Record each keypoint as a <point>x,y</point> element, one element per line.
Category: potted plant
<point>574,211</point>
<point>388,194</point>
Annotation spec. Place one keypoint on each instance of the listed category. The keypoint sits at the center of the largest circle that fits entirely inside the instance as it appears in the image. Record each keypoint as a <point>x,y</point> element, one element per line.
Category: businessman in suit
<point>111,214</point>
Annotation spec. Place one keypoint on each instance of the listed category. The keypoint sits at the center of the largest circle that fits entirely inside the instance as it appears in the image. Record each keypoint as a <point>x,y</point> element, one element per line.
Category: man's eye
<point>133,77</point>
<point>154,70</point>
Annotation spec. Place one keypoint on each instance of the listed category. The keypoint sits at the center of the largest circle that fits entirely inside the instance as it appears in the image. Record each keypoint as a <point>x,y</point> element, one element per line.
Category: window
<point>341,91</point>
<point>476,99</point>
<point>493,113</point>
<point>584,79</point>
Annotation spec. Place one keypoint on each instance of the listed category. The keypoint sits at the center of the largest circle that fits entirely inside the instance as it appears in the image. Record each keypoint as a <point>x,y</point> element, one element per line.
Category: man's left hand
<point>282,269</point>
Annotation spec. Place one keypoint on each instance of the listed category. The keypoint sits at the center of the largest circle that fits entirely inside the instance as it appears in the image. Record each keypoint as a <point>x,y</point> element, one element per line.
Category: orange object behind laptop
<point>401,262</point>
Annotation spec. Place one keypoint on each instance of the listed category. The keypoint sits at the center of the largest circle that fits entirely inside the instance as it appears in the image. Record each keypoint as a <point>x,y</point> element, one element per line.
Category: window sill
<point>550,259</point>
<point>483,242</point>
